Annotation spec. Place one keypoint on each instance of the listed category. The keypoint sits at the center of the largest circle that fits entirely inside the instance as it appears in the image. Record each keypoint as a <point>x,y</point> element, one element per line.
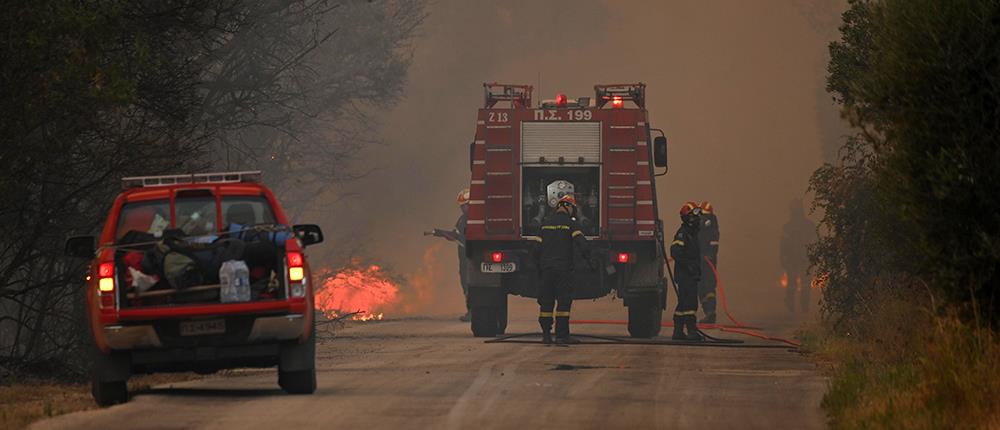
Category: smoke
<point>737,87</point>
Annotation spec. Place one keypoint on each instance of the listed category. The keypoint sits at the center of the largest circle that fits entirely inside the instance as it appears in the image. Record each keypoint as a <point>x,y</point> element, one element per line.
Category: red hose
<point>737,327</point>
<point>722,294</point>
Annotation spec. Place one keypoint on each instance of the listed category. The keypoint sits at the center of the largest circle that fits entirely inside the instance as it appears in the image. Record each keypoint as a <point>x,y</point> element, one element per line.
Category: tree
<point>919,81</point>
<point>99,90</point>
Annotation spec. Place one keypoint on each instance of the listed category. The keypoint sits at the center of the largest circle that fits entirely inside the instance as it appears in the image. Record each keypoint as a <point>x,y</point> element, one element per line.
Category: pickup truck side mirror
<point>309,234</point>
<point>80,246</point>
<point>660,151</point>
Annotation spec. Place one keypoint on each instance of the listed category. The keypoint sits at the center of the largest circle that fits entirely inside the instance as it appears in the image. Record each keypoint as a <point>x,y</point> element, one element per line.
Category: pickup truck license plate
<point>498,267</point>
<point>203,327</point>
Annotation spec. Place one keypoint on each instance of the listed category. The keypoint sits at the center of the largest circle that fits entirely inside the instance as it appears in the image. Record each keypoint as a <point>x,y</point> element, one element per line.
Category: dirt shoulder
<point>25,402</point>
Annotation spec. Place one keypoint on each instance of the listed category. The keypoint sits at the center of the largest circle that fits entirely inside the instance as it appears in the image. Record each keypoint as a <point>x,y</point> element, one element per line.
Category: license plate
<point>498,267</point>
<point>202,327</point>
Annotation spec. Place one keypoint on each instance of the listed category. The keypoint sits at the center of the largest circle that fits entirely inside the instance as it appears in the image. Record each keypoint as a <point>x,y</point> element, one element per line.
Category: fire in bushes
<point>365,291</point>
<point>368,291</point>
<point>816,283</point>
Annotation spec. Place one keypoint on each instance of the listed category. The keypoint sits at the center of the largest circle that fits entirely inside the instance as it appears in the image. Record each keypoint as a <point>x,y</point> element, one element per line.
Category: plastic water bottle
<point>234,280</point>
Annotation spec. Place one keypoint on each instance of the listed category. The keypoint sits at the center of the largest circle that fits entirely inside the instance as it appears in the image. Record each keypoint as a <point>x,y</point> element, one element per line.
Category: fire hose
<point>736,327</point>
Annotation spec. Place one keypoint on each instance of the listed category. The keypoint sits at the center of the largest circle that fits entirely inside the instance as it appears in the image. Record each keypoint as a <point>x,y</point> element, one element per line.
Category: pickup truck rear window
<point>145,217</point>
<point>245,210</point>
<point>195,215</point>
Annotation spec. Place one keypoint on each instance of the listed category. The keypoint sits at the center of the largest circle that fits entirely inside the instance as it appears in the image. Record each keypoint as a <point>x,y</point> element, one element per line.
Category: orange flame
<point>819,282</point>
<point>784,280</point>
<point>365,290</point>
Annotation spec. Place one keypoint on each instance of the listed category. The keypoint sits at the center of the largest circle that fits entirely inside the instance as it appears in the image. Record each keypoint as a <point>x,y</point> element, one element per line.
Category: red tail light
<point>496,256</point>
<point>623,257</point>
<point>295,270</point>
<point>106,277</point>
<point>106,270</point>
<point>294,259</point>
<point>617,102</point>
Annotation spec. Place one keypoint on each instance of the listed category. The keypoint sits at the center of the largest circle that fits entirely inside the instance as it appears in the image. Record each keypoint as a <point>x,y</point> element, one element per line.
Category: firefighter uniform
<point>463,271</point>
<point>708,244</point>
<point>560,236</point>
<point>687,272</point>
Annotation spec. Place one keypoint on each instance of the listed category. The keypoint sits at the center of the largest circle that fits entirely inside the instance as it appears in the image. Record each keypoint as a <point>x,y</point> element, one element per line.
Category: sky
<point>737,87</point>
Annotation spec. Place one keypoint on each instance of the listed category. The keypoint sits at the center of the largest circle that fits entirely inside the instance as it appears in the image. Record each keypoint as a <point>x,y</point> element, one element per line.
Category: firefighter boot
<point>546,337</point>
<point>692,329</point>
<point>678,329</point>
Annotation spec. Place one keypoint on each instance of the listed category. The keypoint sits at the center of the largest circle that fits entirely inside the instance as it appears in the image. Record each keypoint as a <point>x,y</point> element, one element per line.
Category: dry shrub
<point>904,367</point>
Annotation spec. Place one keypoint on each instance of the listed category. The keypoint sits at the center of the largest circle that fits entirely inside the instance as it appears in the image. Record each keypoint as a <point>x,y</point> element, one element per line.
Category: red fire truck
<point>525,158</point>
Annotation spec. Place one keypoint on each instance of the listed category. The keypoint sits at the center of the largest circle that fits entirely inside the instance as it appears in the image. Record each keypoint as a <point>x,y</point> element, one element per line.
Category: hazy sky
<point>736,86</point>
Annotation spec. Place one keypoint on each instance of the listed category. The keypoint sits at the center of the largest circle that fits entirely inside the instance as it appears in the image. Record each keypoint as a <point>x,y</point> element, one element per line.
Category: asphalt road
<point>431,373</point>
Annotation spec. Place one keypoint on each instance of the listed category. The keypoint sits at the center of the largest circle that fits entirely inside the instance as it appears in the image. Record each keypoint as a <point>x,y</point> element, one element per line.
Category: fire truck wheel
<point>484,321</point>
<point>644,318</point>
<point>502,316</point>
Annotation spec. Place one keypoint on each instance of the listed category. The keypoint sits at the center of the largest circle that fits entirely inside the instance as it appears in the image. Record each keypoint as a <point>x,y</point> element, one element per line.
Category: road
<point>430,373</point>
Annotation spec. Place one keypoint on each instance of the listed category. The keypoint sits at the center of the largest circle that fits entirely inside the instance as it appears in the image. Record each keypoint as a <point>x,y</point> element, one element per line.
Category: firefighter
<point>463,272</point>
<point>560,237</point>
<point>708,243</point>
<point>796,236</point>
<point>457,235</point>
<point>687,271</point>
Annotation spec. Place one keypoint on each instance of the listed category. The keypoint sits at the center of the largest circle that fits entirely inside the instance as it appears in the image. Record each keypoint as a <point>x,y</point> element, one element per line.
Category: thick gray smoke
<point>737,87</point>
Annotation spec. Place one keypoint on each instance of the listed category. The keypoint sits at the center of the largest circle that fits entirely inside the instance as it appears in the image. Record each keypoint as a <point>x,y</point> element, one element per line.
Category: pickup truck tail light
<point>106,277</point>
<point>106,284</point>
<point>296,274</point>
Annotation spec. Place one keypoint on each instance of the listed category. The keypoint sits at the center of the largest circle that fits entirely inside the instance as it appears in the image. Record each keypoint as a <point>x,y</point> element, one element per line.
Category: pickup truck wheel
<point>297,366</point>
<point>484,321</point>
<point>109,377</point>
<point>645,317</point>
<point>299,382</point>
<point>109,393</point>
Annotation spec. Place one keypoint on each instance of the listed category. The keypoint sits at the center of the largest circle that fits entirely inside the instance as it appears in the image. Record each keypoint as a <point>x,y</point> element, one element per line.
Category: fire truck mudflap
<point>523,159</point>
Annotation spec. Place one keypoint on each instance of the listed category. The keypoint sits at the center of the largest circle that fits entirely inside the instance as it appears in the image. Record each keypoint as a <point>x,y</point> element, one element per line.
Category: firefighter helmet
<point>568,199</point>
<point>463,197</point>
<point>689,208</point>
<point>706,207</point>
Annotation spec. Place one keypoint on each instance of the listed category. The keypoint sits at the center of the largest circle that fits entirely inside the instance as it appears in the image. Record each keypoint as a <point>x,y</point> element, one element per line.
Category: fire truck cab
<point>524,158</point>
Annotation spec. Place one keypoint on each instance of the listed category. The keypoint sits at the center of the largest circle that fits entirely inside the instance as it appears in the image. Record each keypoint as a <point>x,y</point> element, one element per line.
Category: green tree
<point>920,82</point>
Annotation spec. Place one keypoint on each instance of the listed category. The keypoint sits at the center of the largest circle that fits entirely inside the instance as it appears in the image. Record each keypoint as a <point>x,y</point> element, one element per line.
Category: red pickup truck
<point>157,302</point>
